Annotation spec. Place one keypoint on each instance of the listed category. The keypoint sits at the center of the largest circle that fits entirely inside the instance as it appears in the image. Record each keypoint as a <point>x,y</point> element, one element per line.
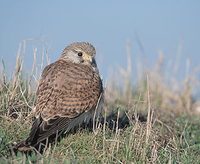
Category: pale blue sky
<point>108,24</point>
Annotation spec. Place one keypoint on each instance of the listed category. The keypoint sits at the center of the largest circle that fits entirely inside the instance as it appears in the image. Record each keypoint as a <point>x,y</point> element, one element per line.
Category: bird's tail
<point>21,147</point>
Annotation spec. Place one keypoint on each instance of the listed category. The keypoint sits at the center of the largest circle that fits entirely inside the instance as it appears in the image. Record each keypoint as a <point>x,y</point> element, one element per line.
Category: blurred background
<point>148,53</point>
<point>142,32</point>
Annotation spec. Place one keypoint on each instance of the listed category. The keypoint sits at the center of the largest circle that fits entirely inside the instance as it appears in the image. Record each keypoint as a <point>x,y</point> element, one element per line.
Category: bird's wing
<point>65,92</point>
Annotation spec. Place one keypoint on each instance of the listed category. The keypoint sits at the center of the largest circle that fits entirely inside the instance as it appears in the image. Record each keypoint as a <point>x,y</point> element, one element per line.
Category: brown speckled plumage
<point>68,94</point>
<point>68,89</point>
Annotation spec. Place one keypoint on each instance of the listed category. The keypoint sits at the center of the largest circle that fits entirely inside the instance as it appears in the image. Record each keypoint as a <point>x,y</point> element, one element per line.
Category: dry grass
<point>150,122</point>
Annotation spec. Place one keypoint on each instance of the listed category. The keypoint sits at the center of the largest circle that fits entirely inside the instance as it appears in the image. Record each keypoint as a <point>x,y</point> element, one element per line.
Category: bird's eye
<point>80,54</point>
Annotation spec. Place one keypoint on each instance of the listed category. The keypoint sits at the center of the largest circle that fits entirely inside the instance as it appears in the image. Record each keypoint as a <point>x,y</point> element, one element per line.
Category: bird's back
<point>67,89</point>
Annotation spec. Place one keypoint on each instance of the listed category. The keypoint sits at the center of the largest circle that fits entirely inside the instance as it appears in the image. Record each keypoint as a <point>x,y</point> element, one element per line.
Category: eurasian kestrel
<point>70,92</point>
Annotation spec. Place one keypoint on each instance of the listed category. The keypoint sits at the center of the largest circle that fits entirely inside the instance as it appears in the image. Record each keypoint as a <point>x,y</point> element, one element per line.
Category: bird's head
<point>80,53</point>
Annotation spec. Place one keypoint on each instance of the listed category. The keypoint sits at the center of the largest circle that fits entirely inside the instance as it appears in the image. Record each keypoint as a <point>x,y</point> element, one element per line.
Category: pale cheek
<point>75,59</point>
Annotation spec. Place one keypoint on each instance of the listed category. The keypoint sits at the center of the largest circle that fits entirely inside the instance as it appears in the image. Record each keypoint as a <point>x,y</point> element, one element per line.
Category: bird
<point>70,93</point>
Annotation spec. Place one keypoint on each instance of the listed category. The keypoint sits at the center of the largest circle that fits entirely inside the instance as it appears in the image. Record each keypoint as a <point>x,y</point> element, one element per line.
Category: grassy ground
<point>148,123</point>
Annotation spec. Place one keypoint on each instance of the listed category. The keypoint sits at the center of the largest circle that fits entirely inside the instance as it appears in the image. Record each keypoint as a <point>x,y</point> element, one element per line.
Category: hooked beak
<point>89,59</point>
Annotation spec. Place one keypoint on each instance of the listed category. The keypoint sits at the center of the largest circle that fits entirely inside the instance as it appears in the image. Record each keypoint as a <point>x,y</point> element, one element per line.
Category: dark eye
<point>80,54</point>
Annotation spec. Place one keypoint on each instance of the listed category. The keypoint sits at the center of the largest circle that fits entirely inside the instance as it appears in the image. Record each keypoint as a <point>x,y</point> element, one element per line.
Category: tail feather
<point>20,147</point>
<point>45,132</point>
